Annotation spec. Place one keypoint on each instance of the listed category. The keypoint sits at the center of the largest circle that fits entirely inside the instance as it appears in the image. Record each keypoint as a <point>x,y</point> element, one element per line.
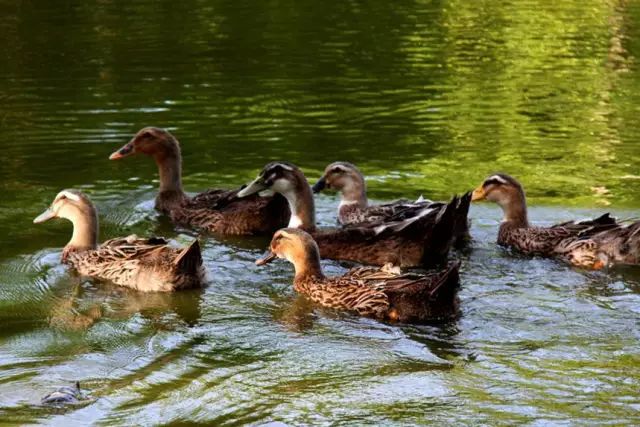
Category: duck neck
<point>85,230</point>
<point>515,212</point>
<point>170,171</point>
<point>308,269</point>
<point>301,204</point>
<point>354,196</point>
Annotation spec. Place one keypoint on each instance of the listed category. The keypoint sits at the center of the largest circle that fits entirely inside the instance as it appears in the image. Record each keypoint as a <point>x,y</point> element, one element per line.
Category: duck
<point>354,208</point>
<point>216,210</point>
<point>590,244</point>
<point>420,240</point>
<point>147,265</point>
<point>381,293</point>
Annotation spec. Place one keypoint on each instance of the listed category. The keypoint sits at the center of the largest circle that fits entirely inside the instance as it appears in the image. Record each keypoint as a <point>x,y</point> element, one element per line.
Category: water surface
<point>427,97</point>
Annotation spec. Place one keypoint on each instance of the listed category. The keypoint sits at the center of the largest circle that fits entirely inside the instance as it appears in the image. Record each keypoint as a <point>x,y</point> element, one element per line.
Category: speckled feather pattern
<point>579,243</point>
<point>373,292</point>
<point>424,243</point>
<point>362,245</point>
<point>220,211</point>
<point>353,214</point>
<point>141,264</point>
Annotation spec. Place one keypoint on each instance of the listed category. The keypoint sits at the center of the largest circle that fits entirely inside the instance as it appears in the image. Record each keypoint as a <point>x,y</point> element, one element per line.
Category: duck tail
<point>461,232</point>
<point>605,219</point>
<point>430,298</point>
<point>633,237</point>
<point>439,239</point>
<point>447,282</point>
<point>189,260</point>
<point>623,243</point>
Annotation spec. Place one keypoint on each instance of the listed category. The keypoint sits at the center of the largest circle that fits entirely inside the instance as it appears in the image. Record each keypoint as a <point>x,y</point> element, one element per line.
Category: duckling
<point>423,239</point>
<point>591,244</point>
<point>218,211</point>
<point>354,207</point>
<point>368,291</point>
<point>148,265</point>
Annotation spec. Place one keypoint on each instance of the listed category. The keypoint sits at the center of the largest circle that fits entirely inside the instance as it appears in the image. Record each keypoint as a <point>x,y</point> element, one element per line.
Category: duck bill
<point>256,186</point>
<point>478,194</point>
<point>320,185</point>
<point>124,151</point>
<point>270,256</point>
<point>44,216</point>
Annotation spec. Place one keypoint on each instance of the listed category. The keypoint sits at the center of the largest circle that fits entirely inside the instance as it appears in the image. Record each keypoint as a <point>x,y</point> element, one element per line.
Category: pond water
<point>427,97</point>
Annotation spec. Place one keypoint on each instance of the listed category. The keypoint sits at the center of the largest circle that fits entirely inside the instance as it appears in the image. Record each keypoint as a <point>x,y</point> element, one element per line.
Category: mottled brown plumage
<point>355,209</point>
<point>368,291</point>
<point>218,211</point>
<point>422,239</point>
<point>141,264</point>
<point>590,244</point>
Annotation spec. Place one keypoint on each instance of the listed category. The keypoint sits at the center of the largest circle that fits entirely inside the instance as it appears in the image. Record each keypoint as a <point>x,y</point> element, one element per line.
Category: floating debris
<point>63,395</point>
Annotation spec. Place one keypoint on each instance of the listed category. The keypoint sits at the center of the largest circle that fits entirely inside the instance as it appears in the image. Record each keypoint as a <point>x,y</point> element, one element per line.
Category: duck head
<point>345,178</point>
<point>164,148</point>
<point>76,207</point>
<point>152,141</point>
<point>287,179</point>
<point>507,192</point>
<point>275,177</point>
<point>297,247</point>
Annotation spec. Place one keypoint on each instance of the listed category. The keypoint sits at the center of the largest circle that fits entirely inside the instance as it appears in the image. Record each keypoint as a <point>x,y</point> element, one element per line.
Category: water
<point>427,97</point>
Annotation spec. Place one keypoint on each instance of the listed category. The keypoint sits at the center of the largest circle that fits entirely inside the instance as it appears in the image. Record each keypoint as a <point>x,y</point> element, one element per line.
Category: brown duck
<point>218,211</point>
<point>368,291</point>
<point>148,265</point>
<point>592,244</point>
<point>423,239</point>
<point>355,209</point>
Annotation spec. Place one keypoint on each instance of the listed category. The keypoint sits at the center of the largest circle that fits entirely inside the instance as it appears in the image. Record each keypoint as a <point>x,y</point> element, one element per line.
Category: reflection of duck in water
<point>141,264</point>
<point>219,211</point>
<point>81,308</point>
<point>590,244</point>
<point>296,313</point>
<point>368,291</point>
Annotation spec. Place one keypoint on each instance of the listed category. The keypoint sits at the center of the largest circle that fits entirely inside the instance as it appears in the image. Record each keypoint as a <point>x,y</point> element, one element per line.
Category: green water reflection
<point>427,97</point>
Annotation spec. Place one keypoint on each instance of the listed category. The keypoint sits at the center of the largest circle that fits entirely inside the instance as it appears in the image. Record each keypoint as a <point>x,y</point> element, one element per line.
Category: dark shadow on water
<point>296,313</point>
<point>440,339</point>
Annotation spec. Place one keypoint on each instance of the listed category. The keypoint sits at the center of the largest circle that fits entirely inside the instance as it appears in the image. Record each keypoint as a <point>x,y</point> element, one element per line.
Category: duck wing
<point>415,297</point>
<point>402,210</point>
<point>143,264</point>
<point>222,211</point>
<point>547,240</point>
<point>394,211</point>
<point>589,227</point>
<point>620,244</point>
<point>422,239</point>
<point>429,285</point>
